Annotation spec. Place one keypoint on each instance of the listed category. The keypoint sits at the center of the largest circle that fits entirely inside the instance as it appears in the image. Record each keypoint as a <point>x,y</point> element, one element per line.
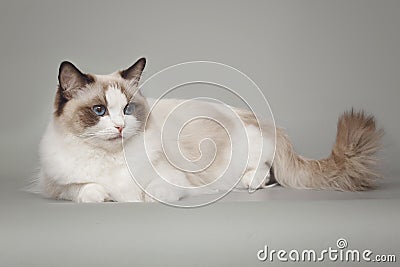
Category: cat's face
<point>101,109</point>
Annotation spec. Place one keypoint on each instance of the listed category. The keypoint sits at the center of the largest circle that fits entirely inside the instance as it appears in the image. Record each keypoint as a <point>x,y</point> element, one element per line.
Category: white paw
<point>253,181</point>
<point>159,192</point>
<point>92,193</point>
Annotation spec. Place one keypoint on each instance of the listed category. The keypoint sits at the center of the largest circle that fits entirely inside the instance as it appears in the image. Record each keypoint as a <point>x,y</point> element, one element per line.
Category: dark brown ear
<point>71,79</point>
<point>135,71</point>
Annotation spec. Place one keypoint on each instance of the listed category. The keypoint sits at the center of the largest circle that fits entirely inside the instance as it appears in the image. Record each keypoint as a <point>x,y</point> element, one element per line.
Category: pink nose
<point>119,128</point>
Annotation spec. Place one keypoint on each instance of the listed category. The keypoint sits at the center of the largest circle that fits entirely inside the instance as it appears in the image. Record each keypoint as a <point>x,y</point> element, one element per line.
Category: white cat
<point>99,117</point>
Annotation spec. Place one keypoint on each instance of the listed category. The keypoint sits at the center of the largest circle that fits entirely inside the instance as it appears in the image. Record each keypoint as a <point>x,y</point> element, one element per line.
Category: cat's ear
<point>71,79</point>
<point>134,72</point>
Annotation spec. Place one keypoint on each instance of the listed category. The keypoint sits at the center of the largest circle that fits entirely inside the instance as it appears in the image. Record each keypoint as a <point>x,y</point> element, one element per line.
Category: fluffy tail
<point>350,167</point>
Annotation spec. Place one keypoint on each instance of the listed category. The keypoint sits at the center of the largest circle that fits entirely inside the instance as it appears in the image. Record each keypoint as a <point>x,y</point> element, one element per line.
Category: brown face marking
<point>64,95</point>
<point>59,102</point>
<point>87,117</point>
<point>142,109</point>
<point>85,114</point>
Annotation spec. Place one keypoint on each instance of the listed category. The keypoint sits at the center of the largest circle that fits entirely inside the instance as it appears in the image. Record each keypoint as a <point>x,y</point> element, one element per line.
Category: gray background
<point>312,59</point>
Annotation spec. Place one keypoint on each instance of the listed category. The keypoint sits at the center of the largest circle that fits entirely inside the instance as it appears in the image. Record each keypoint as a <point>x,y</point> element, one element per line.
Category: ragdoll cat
<point>83,160</point>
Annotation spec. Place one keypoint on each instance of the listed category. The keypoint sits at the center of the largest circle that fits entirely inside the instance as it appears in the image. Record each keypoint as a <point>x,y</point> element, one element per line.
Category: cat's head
<point>101,109</point>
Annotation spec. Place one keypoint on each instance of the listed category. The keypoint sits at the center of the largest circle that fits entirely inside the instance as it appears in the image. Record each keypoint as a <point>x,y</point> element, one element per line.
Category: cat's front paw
<point>159,192</point>
<point>92,193</point>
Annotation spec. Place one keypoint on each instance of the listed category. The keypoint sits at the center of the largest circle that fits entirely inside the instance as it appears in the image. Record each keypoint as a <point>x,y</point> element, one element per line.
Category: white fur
<point>116,102</point>
<point>67,159</point>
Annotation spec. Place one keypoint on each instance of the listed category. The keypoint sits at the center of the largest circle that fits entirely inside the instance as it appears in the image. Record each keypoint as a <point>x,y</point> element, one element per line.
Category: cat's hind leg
<point>254,179</point>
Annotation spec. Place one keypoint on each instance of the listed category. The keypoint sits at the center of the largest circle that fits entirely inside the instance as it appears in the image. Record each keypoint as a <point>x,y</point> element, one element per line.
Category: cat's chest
<point>92,165</point>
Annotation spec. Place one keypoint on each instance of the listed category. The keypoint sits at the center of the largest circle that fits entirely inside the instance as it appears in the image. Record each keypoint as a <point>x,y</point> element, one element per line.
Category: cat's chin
<point>113,144</point>
<point>115,138</point>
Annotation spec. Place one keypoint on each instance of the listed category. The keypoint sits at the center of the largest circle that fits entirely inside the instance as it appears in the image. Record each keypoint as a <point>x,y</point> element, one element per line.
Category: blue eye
<point>100,110</point>
<point>128,110</point>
